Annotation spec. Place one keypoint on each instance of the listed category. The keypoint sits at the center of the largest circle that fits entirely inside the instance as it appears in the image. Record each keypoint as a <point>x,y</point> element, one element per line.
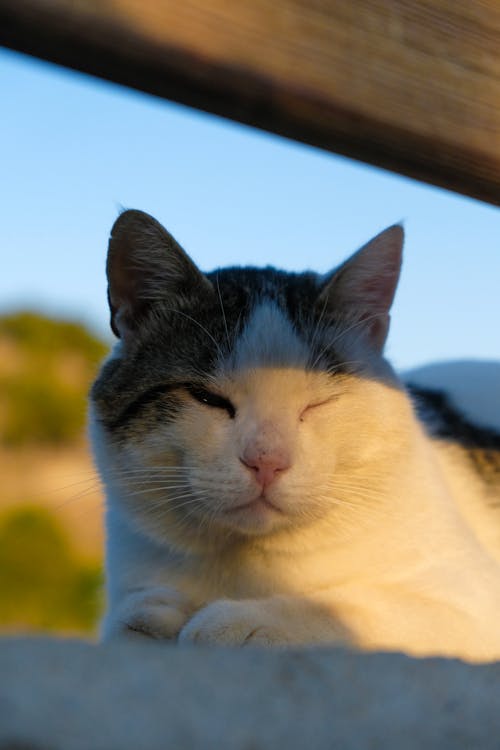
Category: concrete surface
<point>70,695</point>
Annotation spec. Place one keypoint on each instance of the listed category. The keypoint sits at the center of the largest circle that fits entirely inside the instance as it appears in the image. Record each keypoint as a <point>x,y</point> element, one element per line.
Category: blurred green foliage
<point>42,585</point>
<point>40,411</point>
<point>46,367</point>
<point>37,333</point>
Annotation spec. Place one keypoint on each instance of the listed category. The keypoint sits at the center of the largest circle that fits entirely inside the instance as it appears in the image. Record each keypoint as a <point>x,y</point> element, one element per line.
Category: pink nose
<point>265,465</point>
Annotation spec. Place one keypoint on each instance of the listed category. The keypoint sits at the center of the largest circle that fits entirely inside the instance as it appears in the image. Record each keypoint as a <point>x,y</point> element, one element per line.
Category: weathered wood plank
<point>410,86</point>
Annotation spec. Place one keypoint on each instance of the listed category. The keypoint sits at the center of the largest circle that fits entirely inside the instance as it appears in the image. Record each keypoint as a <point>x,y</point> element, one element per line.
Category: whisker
<point>341,332</point>
<point>223,312</point>
<point>151,469</point>
<point>318,323</point>
<point>84,493</point>
<point>196,322</point>
<point>149,490</point>
<point>95,479</point>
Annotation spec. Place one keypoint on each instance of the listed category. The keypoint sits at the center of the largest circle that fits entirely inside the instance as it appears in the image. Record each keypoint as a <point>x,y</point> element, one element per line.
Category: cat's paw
<point>233,623</point>
<point>158,612</point>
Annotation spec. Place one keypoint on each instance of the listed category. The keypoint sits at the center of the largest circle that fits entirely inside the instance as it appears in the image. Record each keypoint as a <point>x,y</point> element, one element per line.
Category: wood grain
<point>409,85</point>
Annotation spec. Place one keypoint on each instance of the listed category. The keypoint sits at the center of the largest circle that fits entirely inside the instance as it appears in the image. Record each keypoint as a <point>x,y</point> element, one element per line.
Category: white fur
<point>368,533</point>
<point>383,538</point>
<point>269,340</point>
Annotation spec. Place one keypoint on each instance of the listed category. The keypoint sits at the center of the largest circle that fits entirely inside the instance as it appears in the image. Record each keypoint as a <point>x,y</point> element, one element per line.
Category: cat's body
<point>269,479</point>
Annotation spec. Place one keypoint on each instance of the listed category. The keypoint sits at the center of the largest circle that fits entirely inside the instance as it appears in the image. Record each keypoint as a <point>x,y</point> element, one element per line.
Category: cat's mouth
<point>256,516</point>
<point>260,504</point>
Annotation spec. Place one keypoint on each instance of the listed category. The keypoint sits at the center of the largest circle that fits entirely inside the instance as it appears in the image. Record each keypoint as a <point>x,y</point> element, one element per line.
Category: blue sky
<point>73,150</point>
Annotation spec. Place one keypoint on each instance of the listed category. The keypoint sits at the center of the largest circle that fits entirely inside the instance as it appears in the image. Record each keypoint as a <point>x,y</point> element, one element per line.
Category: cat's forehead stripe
<point>269,338</point>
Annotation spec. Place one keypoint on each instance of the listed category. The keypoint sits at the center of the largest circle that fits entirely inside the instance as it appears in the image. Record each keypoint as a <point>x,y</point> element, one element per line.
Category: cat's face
<point>238,402</point>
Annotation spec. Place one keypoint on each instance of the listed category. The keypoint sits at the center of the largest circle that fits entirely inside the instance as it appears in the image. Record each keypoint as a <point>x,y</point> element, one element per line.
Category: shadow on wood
<point>412,87</point>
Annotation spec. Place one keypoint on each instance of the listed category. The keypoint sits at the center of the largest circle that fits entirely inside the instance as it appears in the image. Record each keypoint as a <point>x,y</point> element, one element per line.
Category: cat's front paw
<point>159,612</point>
<point>233,623</point>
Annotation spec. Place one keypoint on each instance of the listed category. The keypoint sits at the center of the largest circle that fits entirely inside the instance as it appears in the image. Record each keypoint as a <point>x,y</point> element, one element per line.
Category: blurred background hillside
<point>50,517</point>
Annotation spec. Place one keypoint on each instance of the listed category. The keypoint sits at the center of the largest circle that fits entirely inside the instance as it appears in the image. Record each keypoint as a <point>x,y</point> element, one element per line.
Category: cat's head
<point>242,402</point>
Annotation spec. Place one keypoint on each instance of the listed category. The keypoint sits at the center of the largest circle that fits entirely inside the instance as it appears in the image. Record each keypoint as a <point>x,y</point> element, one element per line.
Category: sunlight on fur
<point>269,479</point>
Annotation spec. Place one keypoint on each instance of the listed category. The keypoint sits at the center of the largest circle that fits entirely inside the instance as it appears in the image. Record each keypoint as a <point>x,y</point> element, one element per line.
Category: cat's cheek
<point>233,623</point>
<point>204,434</point>
<point>317,450</point>
<point>159,447</point>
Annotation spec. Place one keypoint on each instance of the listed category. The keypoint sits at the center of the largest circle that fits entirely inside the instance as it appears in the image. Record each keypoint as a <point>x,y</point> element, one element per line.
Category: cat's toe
<point>155,613</point>
<point>230,623</point>
<point>159,621</point>
<point>265,635</point>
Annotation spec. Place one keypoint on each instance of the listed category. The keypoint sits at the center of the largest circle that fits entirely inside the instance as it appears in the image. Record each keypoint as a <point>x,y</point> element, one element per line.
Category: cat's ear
<point>362,289</point>
<point>146,265</point>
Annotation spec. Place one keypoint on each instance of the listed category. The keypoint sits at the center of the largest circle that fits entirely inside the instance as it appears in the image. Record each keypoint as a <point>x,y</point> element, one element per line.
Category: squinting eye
<point>211,399</point>
<point>311,407</point>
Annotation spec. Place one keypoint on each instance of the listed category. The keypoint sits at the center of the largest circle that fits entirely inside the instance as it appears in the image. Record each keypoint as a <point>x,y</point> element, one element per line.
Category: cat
<point>269,479</point>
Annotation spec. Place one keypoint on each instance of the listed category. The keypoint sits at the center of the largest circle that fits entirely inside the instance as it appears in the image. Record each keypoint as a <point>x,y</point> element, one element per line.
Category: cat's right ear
<point>362,290</point>
<point>145,266</point>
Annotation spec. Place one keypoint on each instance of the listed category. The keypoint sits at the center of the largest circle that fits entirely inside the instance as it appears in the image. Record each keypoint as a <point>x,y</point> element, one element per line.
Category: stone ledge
<point>70,695</point>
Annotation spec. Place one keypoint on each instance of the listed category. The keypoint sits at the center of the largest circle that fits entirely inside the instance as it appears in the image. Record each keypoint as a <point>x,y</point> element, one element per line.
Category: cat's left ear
<point>362,289</point>
<point>145,266</point>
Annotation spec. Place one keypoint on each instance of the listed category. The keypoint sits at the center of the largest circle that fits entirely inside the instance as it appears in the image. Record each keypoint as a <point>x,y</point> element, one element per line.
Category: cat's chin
<point>258,516</point>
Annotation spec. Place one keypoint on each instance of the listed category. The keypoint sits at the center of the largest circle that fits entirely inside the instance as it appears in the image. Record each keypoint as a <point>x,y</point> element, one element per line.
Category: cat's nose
<point>266,465</point>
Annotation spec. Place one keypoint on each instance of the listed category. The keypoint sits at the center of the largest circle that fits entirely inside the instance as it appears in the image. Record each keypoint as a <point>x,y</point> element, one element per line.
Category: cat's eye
<point>311,407</point>
<point>211,399</point>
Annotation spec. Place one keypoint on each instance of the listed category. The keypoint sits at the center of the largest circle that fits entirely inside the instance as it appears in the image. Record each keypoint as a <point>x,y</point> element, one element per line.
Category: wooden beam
<point>409,85</point>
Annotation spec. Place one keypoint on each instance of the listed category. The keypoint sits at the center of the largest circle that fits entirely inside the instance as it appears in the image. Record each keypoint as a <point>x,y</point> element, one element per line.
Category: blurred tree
<point>42,586</point>
<point>35,332</point>
<point>46,367</point>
